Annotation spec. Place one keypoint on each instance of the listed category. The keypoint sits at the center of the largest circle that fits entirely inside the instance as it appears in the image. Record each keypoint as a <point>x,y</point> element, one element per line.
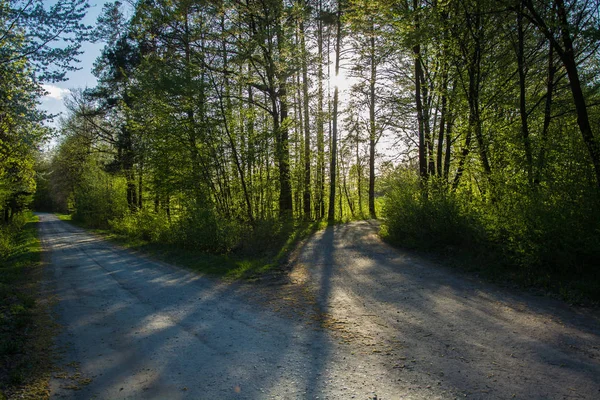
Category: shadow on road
<point>141,329</point>
<point>444,332</point>
<point>359,318</point>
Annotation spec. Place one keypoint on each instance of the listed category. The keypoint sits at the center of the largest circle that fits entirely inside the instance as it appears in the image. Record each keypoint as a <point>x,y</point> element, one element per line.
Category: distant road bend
<point>356,319</point>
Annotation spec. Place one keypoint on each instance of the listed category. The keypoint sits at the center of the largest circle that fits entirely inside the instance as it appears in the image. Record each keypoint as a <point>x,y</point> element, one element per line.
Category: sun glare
<point>340,81</point>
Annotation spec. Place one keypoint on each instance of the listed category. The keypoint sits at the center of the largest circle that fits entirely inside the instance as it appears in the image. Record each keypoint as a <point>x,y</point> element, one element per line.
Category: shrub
<point>144,224</point>
<point>427,219</point>
<point>203,229</point>
<point>9,234</point>
<point>194,228</point>
<point>99,198</point>
<point>549,239</point>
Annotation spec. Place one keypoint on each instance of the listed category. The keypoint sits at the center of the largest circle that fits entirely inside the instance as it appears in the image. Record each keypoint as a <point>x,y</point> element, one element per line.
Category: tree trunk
<point>305,100</point>
<point>358,173</point>
<point>547,116</point>
<point>419,102</point>
<point>444,110</point>
<point>140,186</point>
<point>448,146</point>
<point>522,95</point>
<point>128,163</point>
<point>372,125</point>
<point>444,100</point>
<point>332,168</point>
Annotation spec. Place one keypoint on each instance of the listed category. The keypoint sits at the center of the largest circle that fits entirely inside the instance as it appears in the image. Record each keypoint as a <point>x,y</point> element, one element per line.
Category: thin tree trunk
<point>320,205</point>
<point>547,116</point>
<point>444,100</point>
<point>128,169</point>
<point>285,193</point>
<point>473,95</point>
<point>350,205</point>
<point>282,134</point>
<point>426,107</point>
<point>522,94</point>
<point>419,102</point>
<point>444,110</point>
<point>305,101</point>
<point>358,174</point>
<point>372,124</point>
<point>332,183</point>
<point>140,185</point>
<point>448,146</point>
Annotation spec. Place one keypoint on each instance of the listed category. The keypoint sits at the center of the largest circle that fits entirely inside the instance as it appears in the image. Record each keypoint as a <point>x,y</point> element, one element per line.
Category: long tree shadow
<point>143,329</point>
<point>463,335</point>
<point>324,258</point>
<point>162,332</point>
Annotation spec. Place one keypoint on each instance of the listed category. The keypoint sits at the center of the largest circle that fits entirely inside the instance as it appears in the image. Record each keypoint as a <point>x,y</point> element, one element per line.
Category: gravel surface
<point>352,318</point>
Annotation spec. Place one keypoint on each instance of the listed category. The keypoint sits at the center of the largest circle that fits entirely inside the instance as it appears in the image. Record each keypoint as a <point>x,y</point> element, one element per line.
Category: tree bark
<point>305,101</point>
<point>372,123</point>
<point>332,165</point>
<point>419,101</point>
<point>547,116</point>
<point>522,95</point>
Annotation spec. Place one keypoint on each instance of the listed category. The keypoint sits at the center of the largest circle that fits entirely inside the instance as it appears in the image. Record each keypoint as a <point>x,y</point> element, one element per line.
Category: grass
<point>26,329</point>
<point>64,217</point>
<point>261,254</point>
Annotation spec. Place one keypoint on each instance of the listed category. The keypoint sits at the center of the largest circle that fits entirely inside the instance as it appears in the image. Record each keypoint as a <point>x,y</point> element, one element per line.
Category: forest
<point>470,128</point>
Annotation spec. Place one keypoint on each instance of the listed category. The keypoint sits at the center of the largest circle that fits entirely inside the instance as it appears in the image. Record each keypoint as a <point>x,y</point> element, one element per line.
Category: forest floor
<point>349,317</point>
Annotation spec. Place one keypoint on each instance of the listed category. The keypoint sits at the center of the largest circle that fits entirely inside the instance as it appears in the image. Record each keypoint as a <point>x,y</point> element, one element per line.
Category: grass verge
<point>261,254</point>
<point>26,328</point>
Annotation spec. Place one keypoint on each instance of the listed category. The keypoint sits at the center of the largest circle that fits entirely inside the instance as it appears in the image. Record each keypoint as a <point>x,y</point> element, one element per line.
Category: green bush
<point>9,234</point>
<point>99,198</point>
<point>539,239</point>
<point>144,224</point>
<point>427,219</point>
<point>6,241</point>
<point>194,228</point>
<point>203,229</point>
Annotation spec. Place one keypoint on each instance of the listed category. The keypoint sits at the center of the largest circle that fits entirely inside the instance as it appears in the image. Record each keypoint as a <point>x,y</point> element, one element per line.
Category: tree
<point>576,17</point>
<point>38,44</point>
<point>334,135</point>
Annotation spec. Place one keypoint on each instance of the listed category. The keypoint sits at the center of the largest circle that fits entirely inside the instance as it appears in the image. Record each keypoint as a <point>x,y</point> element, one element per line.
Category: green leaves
<point>38,43</point>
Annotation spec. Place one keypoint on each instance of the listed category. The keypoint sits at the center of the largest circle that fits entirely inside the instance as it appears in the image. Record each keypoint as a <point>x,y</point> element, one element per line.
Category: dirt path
<point>357,319</point>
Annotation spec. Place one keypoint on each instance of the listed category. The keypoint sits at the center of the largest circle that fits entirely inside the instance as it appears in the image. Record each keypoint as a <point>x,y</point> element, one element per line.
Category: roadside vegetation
<point>25,324</point>
<point>544,240</point>
<point>220,134</point>
<point>258,251</point>
<point>227,130</point>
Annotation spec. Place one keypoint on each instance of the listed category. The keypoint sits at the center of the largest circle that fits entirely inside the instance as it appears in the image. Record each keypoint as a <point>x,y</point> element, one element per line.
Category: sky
<point>53,102</point>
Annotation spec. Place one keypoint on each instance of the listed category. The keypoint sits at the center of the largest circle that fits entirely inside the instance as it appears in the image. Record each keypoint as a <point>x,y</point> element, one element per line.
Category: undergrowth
<point>546,242</point>
<point>25,326</point>
<point>211,246</point>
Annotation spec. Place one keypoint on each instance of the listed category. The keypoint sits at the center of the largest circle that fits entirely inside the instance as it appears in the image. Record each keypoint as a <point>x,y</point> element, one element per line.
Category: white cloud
<point>55,92</point>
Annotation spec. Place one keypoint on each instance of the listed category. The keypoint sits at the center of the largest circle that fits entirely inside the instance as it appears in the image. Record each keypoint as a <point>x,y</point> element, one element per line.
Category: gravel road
<point>353,318</point>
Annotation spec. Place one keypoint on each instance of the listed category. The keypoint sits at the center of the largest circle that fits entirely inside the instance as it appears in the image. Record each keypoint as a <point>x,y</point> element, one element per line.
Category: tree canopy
<point>471,116</point>
<point>38,44</point>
